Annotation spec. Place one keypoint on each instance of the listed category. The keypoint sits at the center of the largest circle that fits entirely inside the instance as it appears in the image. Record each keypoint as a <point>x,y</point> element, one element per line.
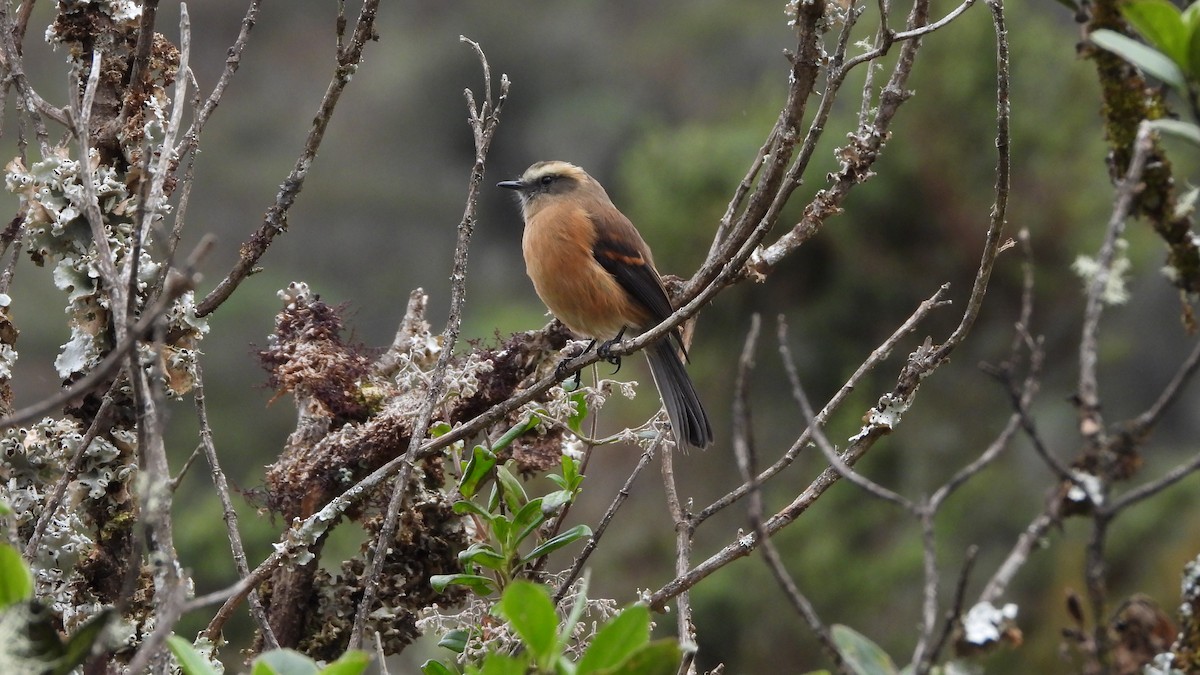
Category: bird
<point>595,273</point>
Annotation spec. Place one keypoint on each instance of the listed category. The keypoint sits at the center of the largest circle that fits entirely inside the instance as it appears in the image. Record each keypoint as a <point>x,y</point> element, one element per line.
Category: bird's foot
<point>605,351</point>
<point>564,366</point>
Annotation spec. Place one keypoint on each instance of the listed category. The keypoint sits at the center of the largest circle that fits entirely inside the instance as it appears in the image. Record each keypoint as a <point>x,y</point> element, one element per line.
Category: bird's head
<point>546,181</point>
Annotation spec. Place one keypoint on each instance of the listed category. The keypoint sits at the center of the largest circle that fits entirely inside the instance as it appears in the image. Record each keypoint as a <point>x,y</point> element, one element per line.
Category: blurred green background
<point>666,103</point>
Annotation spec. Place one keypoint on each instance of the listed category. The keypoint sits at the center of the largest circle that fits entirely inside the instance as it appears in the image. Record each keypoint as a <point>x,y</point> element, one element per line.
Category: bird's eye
<point>546,180</point>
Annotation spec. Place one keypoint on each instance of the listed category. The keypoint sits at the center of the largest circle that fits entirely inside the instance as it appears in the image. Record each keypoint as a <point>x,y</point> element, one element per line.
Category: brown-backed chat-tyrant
<point>593,270</point>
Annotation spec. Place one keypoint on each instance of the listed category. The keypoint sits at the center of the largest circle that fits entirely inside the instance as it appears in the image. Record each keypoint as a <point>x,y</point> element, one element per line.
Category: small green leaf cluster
<point>863,657</point>
<point>1171,52</point>
<point>508,521</point>
<point>29,641</point>
<point>274,662</point>
<point>622,646</point>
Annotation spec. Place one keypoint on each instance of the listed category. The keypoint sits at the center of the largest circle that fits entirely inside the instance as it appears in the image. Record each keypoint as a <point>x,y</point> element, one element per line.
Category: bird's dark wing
<point>619,250</point>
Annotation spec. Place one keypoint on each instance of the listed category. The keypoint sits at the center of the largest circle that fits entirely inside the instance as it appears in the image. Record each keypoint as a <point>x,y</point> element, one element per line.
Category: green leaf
<point>353,662</point>
<point>1192,44</point>
<point>16,582</point>
<point>514,494</point>
<point>480,465</point>
<point>660,657</point>
<point>570,472</point>
<point>617,640</point>
<point>432,667</point>
<point>1161,24</point>
<point>555,543</point>
<point>483,555</point>
<point>525,522</point>
<point>190,661</point>
<point>439,429</point>
<point>1150,61</point>
<point>463,507</point>
<point>479,584</point>
<point>455,640</point>
<point>1185,130</point>
<point>283,662</point>
<point>554,501</point>
<point>863,656</point>
<point>516,432</point>
<point>5,509</point>
<point>579,411</point>
<point>528,608</point>
<point>79,645</point>
<point>1191,17</point>
<point>502,664</point>
<point>577,609</point>
<point>501,527</point>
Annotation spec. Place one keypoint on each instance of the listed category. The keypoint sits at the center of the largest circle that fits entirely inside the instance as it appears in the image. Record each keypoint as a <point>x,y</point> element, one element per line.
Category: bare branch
<point>992,245</point>
<point>275,220</point>
<point>622,495</point>
<point>683,549</point>
<point>747,460</point>
<point>1154,487</point>
<point>484,121</point>
<point>882,352</point>
<point>818,436</point>
<point>1142,424</point>
<point>1090,420</point>
<point>1029,540</point>
<point>954,613</point>
<point>232,61</point>
<point>105,260</point>
<point>228,511</point>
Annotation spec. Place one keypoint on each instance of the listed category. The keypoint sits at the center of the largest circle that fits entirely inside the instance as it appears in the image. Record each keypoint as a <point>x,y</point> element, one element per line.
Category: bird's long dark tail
<point>688,419</point>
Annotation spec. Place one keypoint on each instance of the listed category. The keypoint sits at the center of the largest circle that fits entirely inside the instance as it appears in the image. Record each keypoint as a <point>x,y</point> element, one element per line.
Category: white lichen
<point>1162,664</point>
<point>985,623</point>
<point>1115,290</point>
<point>1086,488</point>
<point>886,414</point>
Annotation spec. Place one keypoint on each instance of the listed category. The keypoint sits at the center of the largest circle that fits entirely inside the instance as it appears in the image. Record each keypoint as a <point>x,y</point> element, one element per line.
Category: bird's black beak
<point>510,184</point>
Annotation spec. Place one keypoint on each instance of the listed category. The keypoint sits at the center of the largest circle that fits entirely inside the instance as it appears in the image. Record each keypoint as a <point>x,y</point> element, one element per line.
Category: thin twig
<point>153,204</point>
<point>1154,487</point>
<point>877,356</point>
<point>141,60</point>
<point>1146,421</point>
<point>1030,539</point>
<point>232,61</point>
<point>105,260</point>
<point>617,502</point>
<point>275,220</point>
<point>747,461</point>
<point>822,441</point>
<point>484,120</point>
<point>992,244</point>
<point>1091,422</point>
<point>955,612</point>
<point>228,511</point>
<point>683,550</point>
<point>27,99</point>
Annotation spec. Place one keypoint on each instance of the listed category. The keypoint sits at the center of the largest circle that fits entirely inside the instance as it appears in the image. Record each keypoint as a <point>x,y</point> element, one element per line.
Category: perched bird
<point>593,270</point>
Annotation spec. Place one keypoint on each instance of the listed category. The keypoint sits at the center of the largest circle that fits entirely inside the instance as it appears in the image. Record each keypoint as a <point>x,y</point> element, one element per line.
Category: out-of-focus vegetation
<point>667,103</point>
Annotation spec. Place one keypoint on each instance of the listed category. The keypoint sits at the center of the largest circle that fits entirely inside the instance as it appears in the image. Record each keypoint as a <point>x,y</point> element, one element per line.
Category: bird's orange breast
<point>558,244</point>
